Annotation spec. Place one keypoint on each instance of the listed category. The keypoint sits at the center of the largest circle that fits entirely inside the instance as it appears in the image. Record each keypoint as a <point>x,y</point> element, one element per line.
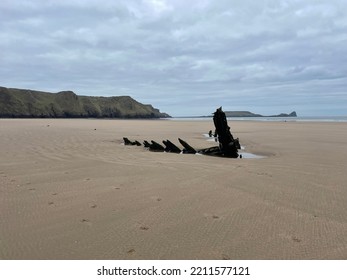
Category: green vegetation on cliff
<point>22,103</point>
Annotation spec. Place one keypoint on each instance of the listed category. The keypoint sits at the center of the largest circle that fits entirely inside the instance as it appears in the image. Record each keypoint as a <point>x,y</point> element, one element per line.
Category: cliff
<point>23,103</point>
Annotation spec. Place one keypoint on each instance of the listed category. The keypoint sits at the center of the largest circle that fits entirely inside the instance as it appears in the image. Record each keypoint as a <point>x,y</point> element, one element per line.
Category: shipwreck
<point>228,145</point>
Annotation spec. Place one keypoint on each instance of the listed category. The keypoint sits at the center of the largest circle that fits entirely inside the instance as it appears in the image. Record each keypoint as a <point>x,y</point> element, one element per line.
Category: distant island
<point>25,103</point>
<point>246,114</point>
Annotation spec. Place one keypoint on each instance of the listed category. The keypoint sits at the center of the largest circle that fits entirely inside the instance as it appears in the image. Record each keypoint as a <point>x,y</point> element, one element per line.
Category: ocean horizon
<point>271,119</point>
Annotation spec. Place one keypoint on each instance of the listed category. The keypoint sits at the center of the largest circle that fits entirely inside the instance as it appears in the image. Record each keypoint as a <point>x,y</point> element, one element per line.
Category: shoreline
<point>324,119</point>
<point>269,119</point>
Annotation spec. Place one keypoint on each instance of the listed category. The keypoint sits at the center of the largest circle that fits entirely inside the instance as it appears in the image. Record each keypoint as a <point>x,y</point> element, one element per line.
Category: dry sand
<point>68,191</point>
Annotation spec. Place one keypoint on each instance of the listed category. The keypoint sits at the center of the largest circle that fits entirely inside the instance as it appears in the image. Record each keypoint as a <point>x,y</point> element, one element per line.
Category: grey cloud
<point>260,55</point>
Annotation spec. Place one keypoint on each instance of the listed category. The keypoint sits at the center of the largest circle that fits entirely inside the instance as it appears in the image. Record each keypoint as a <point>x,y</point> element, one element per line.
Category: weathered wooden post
<point>227,144</point>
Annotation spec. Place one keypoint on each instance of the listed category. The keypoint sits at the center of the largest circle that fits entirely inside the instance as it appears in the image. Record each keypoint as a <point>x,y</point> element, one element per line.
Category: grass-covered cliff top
<point>23,103</point>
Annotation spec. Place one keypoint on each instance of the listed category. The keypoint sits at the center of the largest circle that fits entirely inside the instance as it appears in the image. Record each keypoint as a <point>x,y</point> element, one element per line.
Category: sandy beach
<point>69,189</point>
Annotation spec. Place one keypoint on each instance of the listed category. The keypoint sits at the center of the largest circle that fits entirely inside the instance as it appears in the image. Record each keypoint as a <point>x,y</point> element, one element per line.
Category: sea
<point>270,119</point>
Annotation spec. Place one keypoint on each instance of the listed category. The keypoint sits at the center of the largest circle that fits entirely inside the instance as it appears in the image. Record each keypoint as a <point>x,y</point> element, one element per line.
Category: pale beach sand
<point>68,191</point>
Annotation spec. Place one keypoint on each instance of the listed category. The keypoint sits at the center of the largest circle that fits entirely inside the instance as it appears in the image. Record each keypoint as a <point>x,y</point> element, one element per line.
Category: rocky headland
<point>25,103</point>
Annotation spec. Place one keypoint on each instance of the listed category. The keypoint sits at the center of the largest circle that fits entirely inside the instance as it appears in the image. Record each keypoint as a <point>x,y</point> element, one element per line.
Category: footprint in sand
<point>131,251</point>
<point>54,193</point>
<point>51,203</point>
<point>264,174</point>
<point>117,188</point>
<point>93,206</point>
<point>156,198</point>
<point>144,228</point>
<point>209,216</point>
<point>295,239</point>
<point>32,189</point>
<point>86,221</point>
<point>225,257</point>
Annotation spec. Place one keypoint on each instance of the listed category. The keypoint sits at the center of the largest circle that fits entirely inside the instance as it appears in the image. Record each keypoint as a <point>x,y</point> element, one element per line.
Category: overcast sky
<point>183,57</point>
